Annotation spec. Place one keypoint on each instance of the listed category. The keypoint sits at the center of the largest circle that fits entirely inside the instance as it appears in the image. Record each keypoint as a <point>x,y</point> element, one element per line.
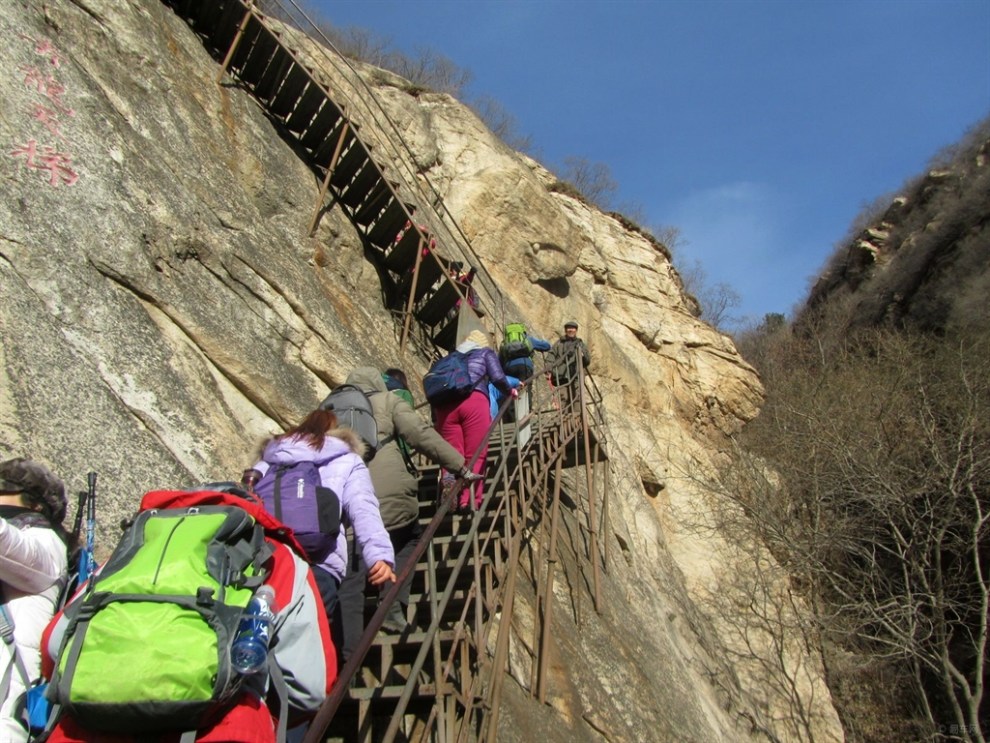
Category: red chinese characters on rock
<point>50,159</point>
<point>57,164</point>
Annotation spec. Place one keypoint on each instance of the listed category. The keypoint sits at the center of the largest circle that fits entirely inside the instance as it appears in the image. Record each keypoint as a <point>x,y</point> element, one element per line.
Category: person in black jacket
<point>564,358</point>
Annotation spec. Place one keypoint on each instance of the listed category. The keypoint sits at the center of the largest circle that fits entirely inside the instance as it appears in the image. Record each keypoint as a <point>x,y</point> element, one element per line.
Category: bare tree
<point>430,69</point>
<point>716,300</point>
<point>882,447</point>
<point>502,123</point>
<point>593,180</point>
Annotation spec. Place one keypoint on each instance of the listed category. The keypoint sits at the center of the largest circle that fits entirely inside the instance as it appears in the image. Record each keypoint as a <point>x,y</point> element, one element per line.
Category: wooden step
<point>445,336</point>
<point>401,256</point>
<point>289,92</point>
<point>222,33</point>
<point>254,53</point>
<point>299,118</point>
<point>323,154</point>
<point>207,16</point>
<point>374,202</point>
<point>273,76</point>
<point>436,307</point>
<point>323,125</point>
<point>354,157</point>
<point>382,232</point>
<point>365,180</point>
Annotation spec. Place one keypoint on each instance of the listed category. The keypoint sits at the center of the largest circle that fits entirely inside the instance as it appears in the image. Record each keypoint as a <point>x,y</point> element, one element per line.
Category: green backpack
<point>516,343</point>
<point>147,646</point>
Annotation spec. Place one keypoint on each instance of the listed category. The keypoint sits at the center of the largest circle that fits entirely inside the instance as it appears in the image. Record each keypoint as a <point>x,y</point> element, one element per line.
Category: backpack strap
<point>261,552</point>
<point>7,634</point>
<point>279,471</point>
<point>281,690</point>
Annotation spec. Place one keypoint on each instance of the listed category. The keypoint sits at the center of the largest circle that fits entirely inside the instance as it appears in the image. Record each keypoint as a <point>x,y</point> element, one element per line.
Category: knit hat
<point>570,324</point>
<point>478,337</point>
<point>36,484</point>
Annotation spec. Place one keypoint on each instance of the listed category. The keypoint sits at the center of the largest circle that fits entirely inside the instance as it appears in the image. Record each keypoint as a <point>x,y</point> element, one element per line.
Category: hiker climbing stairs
<point>440,678</point>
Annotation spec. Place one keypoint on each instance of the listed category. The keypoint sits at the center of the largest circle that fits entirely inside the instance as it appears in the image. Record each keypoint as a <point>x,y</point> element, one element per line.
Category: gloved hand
<point>469,476</point>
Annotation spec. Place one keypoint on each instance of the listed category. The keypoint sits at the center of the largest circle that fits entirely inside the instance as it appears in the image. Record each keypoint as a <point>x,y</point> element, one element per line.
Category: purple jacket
<point>343,470</point>
<point>483,365</point>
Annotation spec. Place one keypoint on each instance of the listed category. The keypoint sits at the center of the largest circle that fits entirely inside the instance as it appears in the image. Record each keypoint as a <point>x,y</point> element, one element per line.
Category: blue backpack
<point>294,495</point>
<point>448,380</point>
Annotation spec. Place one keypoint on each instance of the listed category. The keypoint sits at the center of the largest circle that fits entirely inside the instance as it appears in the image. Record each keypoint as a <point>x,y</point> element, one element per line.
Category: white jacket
<point>32,560</point>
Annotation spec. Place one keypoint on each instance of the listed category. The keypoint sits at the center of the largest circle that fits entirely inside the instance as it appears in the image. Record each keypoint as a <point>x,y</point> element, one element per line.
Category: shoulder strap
<point>7,634</point>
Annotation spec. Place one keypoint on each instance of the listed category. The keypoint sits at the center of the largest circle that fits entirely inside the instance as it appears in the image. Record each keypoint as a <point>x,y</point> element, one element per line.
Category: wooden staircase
<point>441,679</point>
<point>420,288</point>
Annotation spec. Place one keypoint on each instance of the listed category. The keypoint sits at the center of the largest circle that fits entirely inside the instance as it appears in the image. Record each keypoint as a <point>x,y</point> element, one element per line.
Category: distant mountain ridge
<point>925,261</point>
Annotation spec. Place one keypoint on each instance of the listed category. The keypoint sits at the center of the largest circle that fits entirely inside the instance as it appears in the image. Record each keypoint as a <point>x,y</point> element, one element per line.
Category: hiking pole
<point>77,522</point>
<point>87,563</point>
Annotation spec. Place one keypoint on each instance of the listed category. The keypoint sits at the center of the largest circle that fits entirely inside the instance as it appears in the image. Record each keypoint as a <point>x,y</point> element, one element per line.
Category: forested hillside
<point>876,431</point>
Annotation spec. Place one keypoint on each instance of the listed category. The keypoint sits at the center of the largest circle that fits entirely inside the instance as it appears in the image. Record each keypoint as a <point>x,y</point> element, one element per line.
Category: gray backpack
<point>353,410</point>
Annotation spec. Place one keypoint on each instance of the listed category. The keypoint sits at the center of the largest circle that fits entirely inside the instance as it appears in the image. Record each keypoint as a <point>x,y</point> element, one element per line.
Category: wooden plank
<point>429,273</point>
<point>352,160</point>
<point>376,202</point>
<point>223,32</point>
<point>402,255</point>
<point>361,185</point>
<point>436,307</point>
<point>324,153</point>
<point>321,126</point>
<point>206,19</point>
<point>289,92</point>
<point>386,227</point>
<point>366,185</point>
<point>255,39</point>
<point>299,118</point>
<point>273,75</point>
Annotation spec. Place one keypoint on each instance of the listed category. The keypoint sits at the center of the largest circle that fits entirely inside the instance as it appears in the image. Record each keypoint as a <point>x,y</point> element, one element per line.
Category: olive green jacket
<point>397,488</point>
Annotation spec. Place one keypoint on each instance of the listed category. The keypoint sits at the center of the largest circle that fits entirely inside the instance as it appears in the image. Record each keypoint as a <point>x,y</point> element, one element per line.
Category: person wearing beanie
<point>464,423</point>
<point>564,358</point>
<point>33,569</point>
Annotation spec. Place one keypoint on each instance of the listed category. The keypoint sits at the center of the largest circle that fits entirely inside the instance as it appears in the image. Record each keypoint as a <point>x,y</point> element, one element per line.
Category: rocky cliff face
<point>163,309</point>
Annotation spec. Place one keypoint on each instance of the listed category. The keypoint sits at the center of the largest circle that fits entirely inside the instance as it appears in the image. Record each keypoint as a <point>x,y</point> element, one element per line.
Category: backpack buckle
<point>204,596</point>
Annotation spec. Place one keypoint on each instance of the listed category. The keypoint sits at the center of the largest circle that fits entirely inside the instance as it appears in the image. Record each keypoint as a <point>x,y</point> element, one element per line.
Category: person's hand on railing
<point>469,476</point>
<point>514,393</point>
<point>381,572</point>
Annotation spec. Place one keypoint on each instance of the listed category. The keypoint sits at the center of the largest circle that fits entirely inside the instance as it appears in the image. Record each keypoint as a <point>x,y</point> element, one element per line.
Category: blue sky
<point>759,128</point>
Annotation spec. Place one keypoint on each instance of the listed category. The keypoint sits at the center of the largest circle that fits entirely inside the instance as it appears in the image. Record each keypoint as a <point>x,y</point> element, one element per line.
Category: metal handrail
<point>360,99</point>
<point>327,710</point>
<point>510,511</point>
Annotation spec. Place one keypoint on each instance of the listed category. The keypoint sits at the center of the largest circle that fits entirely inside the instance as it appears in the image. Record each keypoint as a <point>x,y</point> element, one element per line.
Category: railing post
<point>237,40</point>
<point>589,477</point>
<point>412,291</point>
<point>324,187</point>
<point>547,617</point>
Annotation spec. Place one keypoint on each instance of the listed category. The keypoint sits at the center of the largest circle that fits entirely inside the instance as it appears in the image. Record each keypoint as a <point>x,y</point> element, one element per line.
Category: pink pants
<point>465,425</point>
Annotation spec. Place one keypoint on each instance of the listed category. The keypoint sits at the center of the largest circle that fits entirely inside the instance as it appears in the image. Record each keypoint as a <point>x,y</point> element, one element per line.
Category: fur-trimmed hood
<point>338,442</point>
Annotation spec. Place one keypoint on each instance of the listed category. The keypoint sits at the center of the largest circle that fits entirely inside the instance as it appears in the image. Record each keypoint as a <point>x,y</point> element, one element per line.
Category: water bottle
<point>249,651</point>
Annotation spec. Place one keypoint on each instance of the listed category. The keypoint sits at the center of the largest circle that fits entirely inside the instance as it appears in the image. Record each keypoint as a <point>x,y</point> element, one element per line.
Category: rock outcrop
<point>923,262</point>
<point>163,309</point>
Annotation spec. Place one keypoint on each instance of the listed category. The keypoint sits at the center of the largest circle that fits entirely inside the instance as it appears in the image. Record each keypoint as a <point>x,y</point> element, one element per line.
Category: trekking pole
<point>87,563</point>
<point>77,522</point>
